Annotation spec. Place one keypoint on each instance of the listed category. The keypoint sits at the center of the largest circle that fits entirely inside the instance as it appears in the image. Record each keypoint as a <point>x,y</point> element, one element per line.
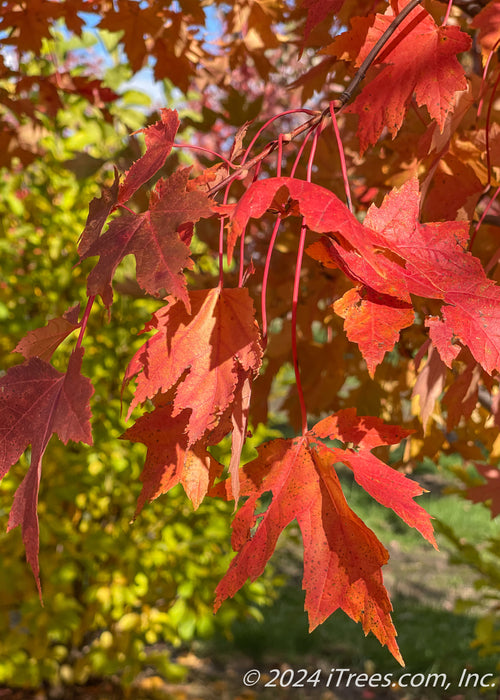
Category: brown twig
<point>324,116</point>
<point>360,75</point>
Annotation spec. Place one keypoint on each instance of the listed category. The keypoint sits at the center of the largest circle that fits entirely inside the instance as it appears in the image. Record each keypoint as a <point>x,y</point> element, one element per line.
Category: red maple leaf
<point>209,342</point>
<point>420,59</point>
<point>43,342</point>
<point>373,321</point>
<point>37,401</point>
<point>99,210</point>
<point>93,90</point>
<point>133,20</point>
<point>169,461</point>
<point>209,355</point>
<point>394,255</point>
<point>488,491</point>
<point>159,138</point>
<point>342,557</point>
<point>461,397</point>
<point>31,22</point>
<point>153,238</point>
<point>356,251</point>
<point>488,23</point>
<point>438,266</point>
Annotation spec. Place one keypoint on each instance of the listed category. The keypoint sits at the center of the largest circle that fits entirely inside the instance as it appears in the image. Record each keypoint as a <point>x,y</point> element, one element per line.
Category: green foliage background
<point>118,595</point>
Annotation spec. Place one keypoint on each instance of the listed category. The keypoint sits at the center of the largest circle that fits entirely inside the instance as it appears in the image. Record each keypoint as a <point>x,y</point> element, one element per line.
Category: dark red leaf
<point>37,401</point>
<point>461,397</point>
<point>490,491</point>
<point>159,140</point>
<point>317,11</point>
<point>99,210</point>
<point>153,239</point>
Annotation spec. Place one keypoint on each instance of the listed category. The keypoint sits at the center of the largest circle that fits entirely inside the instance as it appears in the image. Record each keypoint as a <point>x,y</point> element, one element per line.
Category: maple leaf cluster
<point>394,271</point>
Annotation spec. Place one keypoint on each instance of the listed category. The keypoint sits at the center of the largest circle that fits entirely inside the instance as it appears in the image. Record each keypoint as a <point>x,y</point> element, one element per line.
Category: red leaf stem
<point>85,319</point>
<point>221,244</point>
<point>266,278</point>
<point>310,112</point>
<point>494,259</point>
<point>299,154</point>
<point>296,286</point>
<point>205,150</point>
<point>342,158</point>
<point>124,206</point>
<point>270,249</point>
<point>447,15</point>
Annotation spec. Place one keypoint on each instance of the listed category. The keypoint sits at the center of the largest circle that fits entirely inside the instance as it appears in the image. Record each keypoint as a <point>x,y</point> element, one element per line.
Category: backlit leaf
<point>342,557</point>
<point>420,58</point>
<point>37,401</point>
<point>153,238</point>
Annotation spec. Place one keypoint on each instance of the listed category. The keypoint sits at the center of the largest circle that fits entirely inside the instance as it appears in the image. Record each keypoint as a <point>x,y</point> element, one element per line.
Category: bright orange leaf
<point>342,557</point>
<point>373,322</point>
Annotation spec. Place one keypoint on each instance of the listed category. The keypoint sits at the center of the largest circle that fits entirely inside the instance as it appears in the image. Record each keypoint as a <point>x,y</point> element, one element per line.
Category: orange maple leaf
<point>373,321</point>
<point>169,461</point>
<point>210,354</point>
<point>342,557</point>
<point>43,342</point>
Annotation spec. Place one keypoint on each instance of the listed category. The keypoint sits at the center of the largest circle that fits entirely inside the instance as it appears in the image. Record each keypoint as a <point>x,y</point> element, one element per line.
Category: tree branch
<point>241,171</point>
<point>360,75</point>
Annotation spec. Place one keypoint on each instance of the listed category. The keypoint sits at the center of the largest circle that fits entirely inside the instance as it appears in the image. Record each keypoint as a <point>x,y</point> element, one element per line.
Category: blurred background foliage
<point>120,596</point>
<point>117,594</point>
